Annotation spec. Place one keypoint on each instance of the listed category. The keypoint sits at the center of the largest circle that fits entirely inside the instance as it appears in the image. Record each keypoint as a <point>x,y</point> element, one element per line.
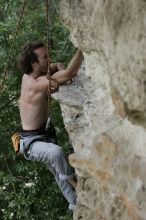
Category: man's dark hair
<point>27,56</point>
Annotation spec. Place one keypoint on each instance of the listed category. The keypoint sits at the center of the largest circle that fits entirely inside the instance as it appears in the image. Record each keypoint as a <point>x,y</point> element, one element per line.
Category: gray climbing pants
<point>53,156</point>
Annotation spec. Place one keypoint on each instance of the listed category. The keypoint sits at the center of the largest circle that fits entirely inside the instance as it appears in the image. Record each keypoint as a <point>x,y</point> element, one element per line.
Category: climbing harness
<point>16,141</point>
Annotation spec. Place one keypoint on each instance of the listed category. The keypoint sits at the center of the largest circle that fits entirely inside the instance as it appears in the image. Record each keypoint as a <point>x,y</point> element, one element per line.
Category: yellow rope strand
<point>48,72</point>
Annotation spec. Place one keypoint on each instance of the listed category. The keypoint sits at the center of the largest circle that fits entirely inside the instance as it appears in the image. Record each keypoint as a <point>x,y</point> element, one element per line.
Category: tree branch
<point>8,103</point>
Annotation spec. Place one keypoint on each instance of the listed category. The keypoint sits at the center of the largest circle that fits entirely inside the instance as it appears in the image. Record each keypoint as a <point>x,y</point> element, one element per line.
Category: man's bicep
<point>55,67</point>
<point>61,76</point>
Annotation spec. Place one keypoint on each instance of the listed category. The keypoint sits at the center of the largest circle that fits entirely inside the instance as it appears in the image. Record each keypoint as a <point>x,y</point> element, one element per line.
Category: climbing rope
<point>12,45</point>
<point>49,70</point>
<point>54,87</point>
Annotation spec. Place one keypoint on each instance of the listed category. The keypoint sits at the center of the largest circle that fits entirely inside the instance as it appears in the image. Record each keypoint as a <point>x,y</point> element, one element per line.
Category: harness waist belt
<point>27,133</point>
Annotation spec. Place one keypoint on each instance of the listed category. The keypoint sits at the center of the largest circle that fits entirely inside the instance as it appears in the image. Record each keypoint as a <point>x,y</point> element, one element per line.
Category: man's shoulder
<point>26,80</point>
<point>35,84</point>
<point>30,79</point>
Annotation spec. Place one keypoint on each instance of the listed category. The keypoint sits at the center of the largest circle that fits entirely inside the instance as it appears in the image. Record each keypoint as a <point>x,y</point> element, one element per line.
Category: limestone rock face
<point>104,109</point>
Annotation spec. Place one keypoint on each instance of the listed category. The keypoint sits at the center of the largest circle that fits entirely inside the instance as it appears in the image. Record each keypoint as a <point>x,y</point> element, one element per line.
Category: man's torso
<point>33,105</point>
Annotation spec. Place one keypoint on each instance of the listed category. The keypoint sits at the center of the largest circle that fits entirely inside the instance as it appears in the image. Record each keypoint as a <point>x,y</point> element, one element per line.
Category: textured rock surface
<point>104,109</point>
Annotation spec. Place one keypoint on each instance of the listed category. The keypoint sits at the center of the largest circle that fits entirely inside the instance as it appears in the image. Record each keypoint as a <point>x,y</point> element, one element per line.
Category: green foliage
<point>33,196</point>
<point>28,190</point>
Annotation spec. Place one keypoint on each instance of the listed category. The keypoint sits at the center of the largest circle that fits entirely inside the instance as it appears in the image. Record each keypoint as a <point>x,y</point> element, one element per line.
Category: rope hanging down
<point>47,44</point>
<point>12,45</point>
<point>54,87</point>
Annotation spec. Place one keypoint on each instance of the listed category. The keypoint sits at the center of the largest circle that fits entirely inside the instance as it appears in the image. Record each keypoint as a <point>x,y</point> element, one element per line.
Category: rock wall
<point>104,109</point>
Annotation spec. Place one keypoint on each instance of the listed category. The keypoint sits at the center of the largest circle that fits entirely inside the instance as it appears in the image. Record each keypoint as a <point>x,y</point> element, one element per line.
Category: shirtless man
<point>35,142</point>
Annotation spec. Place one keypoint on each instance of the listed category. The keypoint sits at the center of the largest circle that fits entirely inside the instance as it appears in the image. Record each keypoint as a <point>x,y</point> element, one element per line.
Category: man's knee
<point>57,153</point>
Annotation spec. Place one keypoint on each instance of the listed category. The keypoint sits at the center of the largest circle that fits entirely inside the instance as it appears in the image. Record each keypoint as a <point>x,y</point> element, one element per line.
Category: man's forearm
<point>75,63</point>
<point>67,74</point>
